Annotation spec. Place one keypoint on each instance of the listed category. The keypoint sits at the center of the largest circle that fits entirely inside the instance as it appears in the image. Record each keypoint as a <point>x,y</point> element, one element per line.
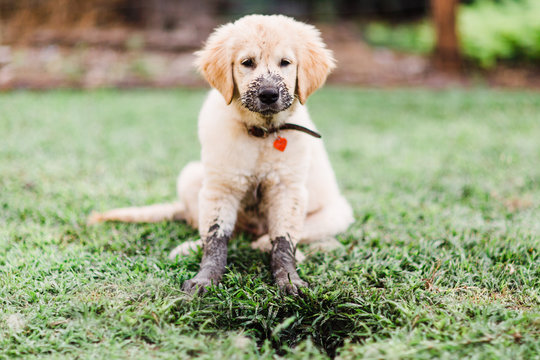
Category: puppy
<point>263,166</point>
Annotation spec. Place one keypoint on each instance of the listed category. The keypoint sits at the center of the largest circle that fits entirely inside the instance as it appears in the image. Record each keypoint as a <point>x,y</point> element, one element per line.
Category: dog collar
<point>261,132</point>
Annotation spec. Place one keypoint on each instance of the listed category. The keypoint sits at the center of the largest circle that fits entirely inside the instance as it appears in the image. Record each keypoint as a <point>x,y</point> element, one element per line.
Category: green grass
<point>442,262</point>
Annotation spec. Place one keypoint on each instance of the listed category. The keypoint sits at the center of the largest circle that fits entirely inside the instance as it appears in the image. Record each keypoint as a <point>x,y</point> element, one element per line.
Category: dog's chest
<point>252,211</point>
<point>263,178</point>
<point>252,201</point>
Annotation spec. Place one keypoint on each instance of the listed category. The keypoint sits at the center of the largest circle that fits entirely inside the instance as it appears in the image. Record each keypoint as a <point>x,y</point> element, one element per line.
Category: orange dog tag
<point>280,143</point>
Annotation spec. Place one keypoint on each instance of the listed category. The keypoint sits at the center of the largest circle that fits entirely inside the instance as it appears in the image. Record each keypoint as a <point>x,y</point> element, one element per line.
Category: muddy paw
<point>206,277</point>
<point>291,285</point>
<point>196,285</point>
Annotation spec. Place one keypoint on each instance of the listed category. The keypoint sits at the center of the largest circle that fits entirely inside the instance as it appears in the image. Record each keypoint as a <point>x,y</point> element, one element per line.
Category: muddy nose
<point>268,95</point>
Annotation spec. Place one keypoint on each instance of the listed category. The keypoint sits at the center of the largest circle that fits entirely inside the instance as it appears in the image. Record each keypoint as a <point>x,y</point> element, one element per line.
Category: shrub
<point>504,30</point>
<point>489,31</point>
<point>413,37</point>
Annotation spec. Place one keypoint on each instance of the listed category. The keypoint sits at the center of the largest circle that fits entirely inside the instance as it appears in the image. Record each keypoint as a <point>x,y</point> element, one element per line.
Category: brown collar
<point>261,132</point>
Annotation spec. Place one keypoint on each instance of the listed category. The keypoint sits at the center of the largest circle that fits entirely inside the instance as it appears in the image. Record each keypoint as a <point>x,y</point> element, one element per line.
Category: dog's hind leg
<point>321,226</point>
<point>320,229</point>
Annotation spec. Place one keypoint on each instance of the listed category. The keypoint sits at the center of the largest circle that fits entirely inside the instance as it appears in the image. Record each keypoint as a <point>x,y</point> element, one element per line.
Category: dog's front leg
<point>286,213</point>
<point>217,216</point>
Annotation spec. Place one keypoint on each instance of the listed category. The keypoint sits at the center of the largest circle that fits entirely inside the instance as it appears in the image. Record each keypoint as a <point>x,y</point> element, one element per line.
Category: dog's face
<point>265,62</point>
<point>265,78</point>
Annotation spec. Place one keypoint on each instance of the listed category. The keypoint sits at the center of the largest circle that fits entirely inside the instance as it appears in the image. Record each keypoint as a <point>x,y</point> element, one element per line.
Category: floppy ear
<point>214,62</point>
<point>315,62</point>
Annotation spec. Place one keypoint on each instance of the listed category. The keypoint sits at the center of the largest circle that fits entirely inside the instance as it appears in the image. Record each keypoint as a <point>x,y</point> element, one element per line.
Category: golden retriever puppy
<point>263,166</point>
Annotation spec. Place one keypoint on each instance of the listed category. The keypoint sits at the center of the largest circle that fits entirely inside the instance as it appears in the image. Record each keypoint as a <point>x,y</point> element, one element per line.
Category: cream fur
<point>300,195</point>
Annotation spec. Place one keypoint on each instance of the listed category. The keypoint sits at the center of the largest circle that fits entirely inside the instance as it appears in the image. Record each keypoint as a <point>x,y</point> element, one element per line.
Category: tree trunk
<point>447,56</point>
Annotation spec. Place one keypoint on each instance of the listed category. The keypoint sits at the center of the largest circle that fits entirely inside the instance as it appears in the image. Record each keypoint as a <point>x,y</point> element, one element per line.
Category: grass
<point>442,262</point>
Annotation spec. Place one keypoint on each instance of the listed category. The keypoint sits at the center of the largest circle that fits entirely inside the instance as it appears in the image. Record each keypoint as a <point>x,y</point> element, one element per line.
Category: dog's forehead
<point>264,49</point>
<point>264,40</point>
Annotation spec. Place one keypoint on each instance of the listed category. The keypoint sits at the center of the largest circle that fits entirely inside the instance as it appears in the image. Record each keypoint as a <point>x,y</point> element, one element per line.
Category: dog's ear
<point>315,62</point>
<point>214,62</point>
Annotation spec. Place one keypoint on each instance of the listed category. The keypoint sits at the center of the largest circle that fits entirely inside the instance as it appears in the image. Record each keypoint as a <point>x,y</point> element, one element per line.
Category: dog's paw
<point>205,278</point>
<point>185,248</point>
<point>299,256</point>
<point>262,244</point>
<point>326,244</point>
<point>196,286</point>
<point>291,285</point>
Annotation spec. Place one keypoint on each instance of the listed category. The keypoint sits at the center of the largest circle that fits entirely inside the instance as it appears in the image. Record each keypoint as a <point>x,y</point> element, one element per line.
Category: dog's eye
<point>248,63</point>
<point>284,62</point>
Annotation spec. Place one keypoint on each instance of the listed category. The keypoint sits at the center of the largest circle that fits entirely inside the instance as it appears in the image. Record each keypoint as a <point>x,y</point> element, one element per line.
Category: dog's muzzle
<point>267,95</point>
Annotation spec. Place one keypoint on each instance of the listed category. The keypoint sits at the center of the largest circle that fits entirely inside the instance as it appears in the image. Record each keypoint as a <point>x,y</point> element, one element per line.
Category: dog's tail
<point>141,214</point>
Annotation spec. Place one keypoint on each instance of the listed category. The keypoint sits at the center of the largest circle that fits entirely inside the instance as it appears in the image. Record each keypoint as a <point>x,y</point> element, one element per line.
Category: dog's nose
<point>268,95</point>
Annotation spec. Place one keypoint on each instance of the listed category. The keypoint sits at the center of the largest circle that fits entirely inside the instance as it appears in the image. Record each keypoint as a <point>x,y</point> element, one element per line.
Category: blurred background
<point>149,43</point>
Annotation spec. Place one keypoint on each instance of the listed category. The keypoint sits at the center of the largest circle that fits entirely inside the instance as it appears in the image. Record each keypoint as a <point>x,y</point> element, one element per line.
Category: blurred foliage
<point>410,37</point>
<point>502,30</point>
<point>489,31</point>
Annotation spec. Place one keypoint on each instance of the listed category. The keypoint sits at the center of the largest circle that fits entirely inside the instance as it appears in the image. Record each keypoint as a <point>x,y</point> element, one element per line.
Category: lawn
<point>442,262</point>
